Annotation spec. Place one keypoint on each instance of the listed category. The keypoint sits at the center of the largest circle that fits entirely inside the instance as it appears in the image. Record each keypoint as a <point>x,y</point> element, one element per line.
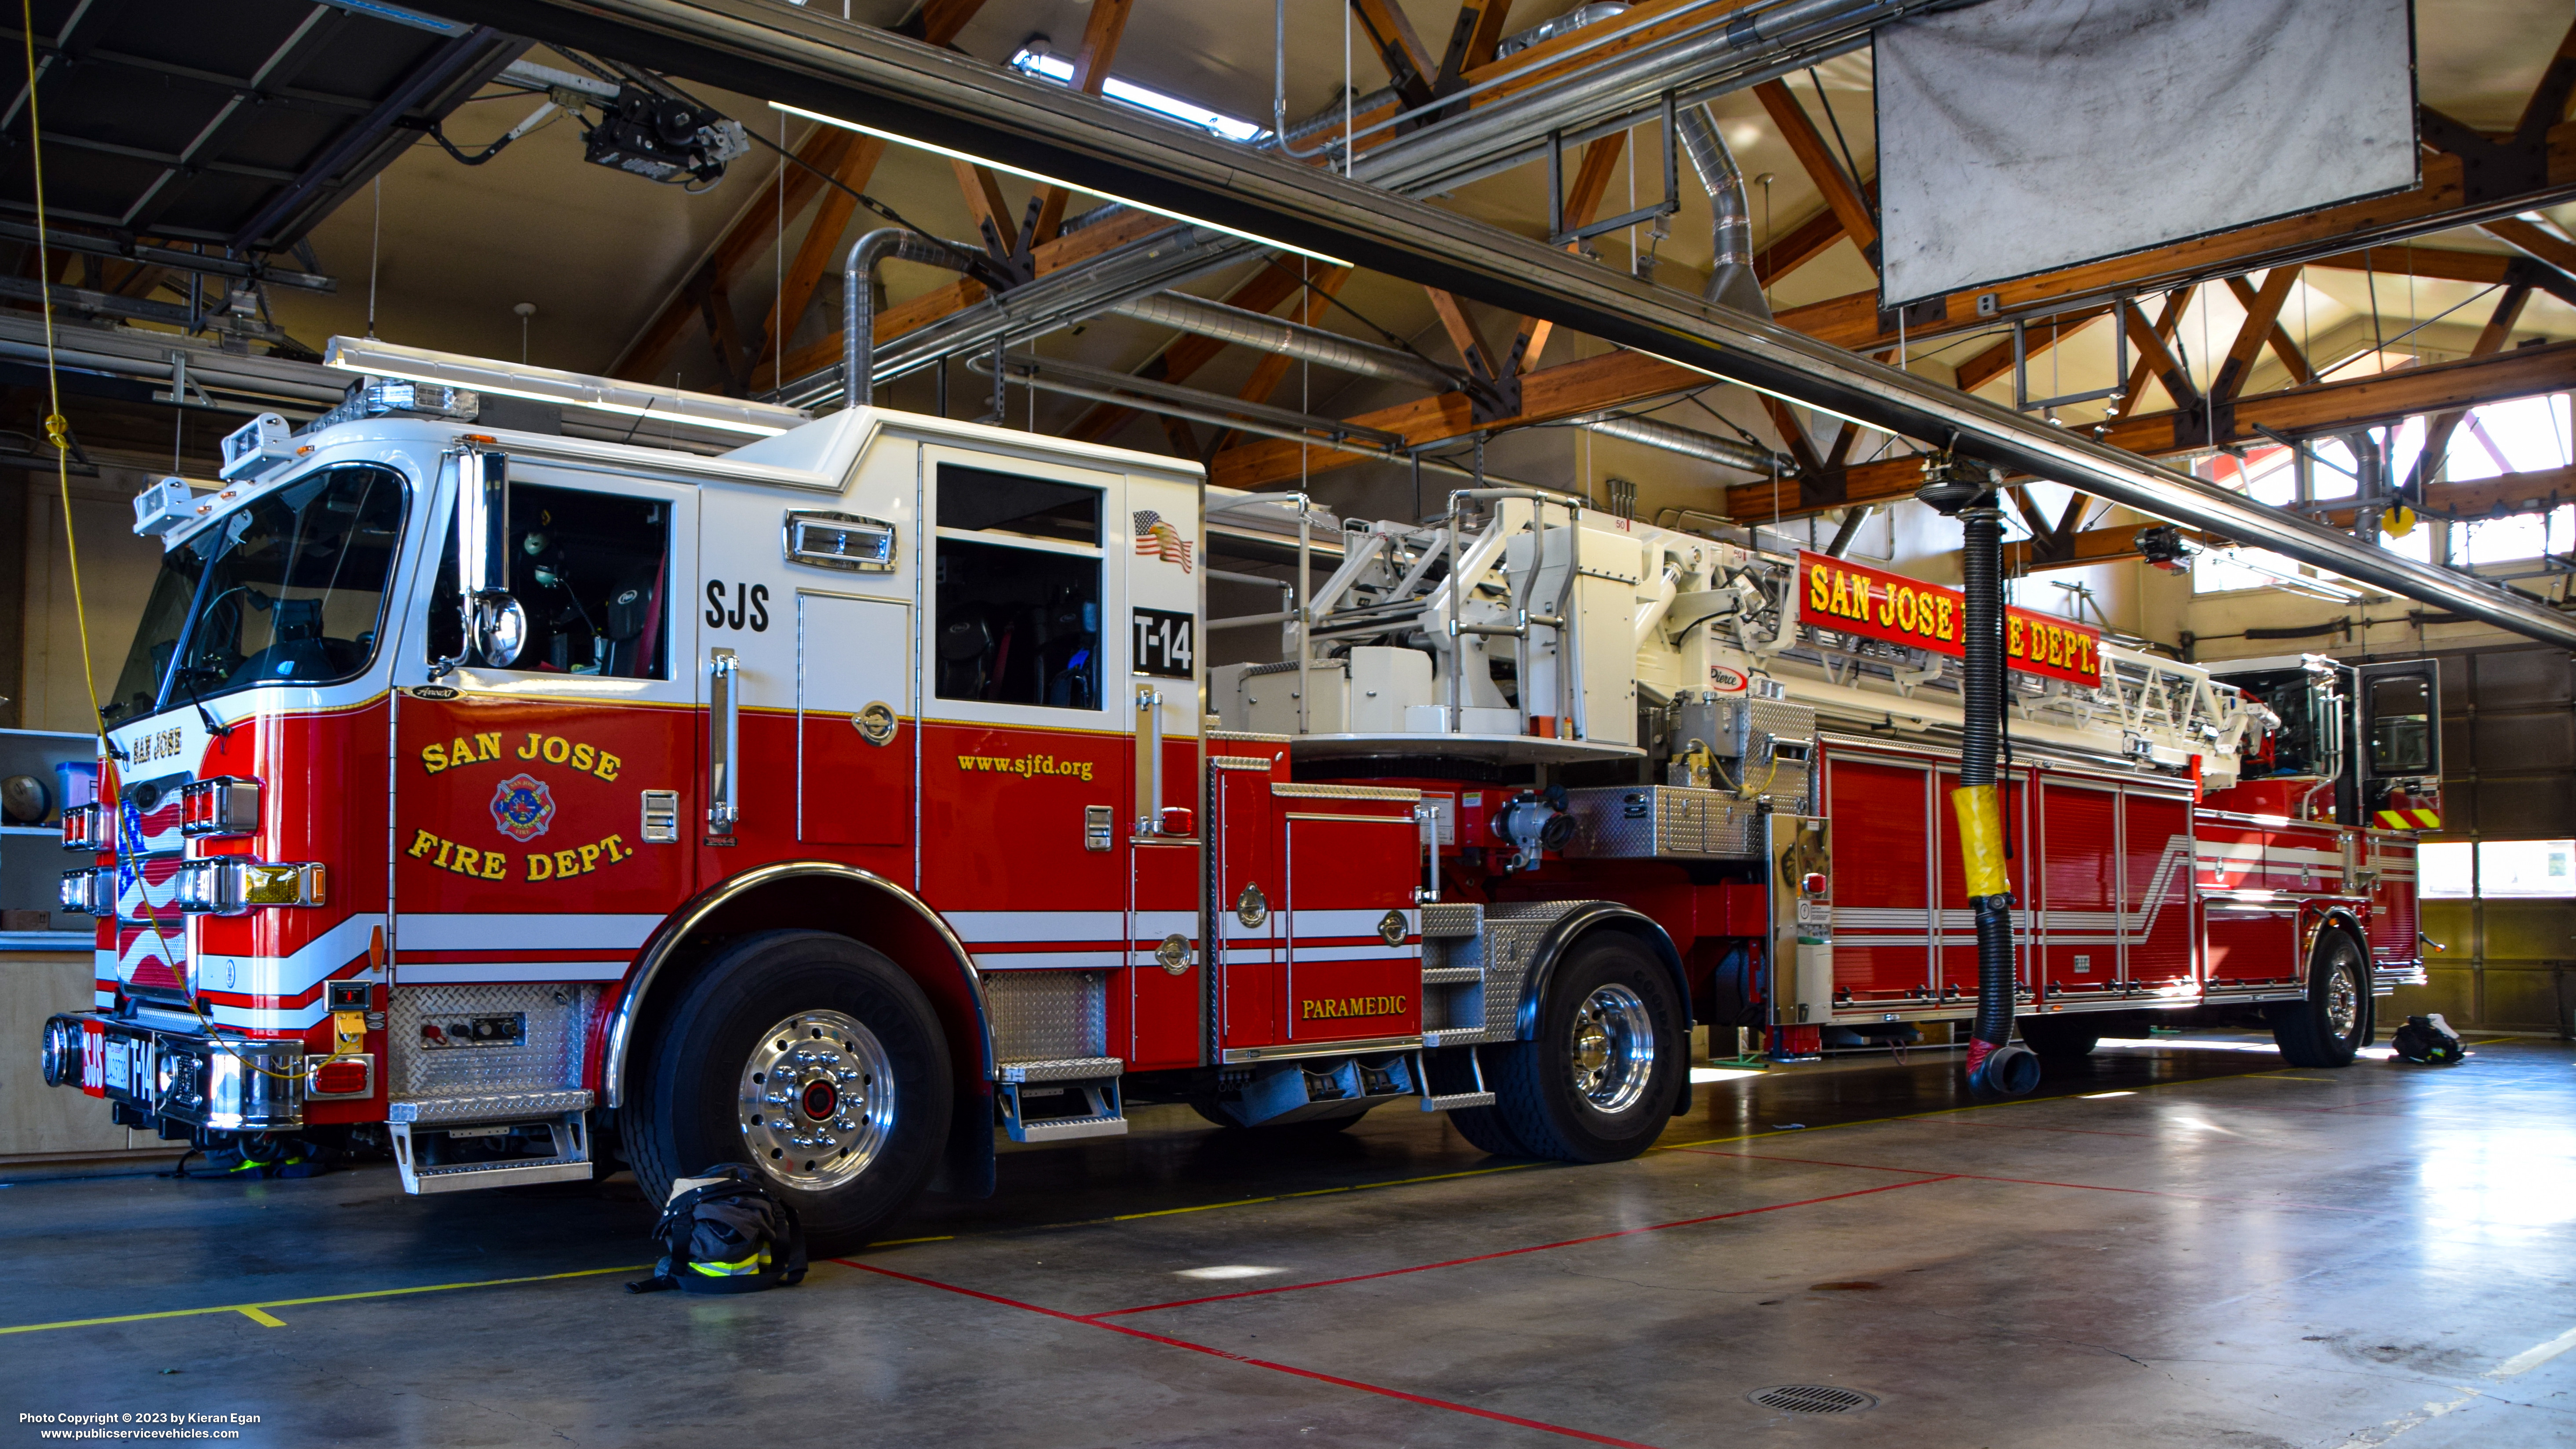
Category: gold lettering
<point>615,846</point>
<point>433,758</point>
<point>589,859</point>
<point>1820,593</point>
<point>558,749</point>
<point>422,844</point>
<point>583,756</point>
<point>495,865</point>
<point>541,866</point>
<point>490,744</point>
<point>528,751</point>
<point>607,766</point>
<point>567,864</point>
<point>443,848</point>
<point>469,861</point>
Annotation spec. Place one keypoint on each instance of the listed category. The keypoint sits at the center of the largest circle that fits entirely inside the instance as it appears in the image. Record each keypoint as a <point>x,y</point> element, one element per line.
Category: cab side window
<point>1018,589</point>
<point>592,571</point>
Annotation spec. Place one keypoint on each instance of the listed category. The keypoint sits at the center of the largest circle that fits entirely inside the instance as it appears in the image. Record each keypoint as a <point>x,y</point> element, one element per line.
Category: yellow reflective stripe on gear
<point>736,1269</point>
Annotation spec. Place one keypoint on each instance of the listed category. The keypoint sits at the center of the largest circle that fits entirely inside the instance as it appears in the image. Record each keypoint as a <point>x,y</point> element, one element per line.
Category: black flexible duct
<point>1996,1067</point>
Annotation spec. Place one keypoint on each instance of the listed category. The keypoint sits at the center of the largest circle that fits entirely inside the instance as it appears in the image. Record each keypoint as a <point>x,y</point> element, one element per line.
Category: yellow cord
<point>57,427</point>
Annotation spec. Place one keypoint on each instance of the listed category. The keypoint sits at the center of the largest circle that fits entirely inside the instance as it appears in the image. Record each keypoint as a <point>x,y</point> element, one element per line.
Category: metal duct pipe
<point>1707,447</point>
<point>1731,280</point>
<point>1184,313</point>
<point>859,298</point>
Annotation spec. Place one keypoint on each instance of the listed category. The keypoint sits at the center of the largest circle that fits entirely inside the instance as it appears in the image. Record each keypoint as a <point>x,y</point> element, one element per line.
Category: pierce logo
<point>522,807</point>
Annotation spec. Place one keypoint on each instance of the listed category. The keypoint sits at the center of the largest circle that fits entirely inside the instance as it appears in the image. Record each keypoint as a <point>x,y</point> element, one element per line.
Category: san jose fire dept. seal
<point>522,807</point>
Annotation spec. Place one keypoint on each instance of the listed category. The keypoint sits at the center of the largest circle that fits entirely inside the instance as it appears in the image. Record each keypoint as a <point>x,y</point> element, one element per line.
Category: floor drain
<point>1813,1399</point>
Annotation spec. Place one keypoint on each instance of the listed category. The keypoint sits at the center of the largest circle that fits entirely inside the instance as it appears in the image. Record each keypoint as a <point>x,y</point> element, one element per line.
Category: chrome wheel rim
<point>816,1100</point>
<point>2343,1002</point>
<point>1612,1048</point>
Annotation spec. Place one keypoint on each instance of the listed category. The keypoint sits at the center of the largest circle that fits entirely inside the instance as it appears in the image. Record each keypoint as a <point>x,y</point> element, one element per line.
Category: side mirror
<point>496,627</point>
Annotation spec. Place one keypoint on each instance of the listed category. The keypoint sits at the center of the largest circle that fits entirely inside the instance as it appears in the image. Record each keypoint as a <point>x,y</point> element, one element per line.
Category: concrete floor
<point>2178,1245</point>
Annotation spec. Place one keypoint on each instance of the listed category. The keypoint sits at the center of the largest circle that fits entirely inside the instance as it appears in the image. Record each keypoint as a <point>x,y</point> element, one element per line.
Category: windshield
<point>289,590</point>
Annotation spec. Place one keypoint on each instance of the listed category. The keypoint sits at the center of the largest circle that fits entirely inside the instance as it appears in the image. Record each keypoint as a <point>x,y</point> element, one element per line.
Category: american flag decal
<point>1157,539</point>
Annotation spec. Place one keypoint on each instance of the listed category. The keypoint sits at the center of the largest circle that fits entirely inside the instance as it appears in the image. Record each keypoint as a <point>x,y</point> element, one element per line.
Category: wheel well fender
<point>2339,919</point>
<point>1576,925</point>
<point>825,896</point>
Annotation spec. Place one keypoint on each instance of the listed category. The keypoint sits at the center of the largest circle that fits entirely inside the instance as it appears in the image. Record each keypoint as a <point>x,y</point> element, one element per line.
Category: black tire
<point>1535,1088</point>
<point>1486,1131</point>
<point>691,1116</point>
<point>2059,1038</point>
<point>2330,1026</point>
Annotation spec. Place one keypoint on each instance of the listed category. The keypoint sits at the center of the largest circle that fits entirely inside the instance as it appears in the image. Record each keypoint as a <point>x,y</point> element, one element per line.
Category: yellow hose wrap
<point>1981,839</point>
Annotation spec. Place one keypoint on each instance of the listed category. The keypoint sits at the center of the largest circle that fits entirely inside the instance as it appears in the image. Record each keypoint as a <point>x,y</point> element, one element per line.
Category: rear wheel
<point>2329,1028</point>
<point>1600,1080</point>
<point>815,1060</point>
<point>2061,1039</point>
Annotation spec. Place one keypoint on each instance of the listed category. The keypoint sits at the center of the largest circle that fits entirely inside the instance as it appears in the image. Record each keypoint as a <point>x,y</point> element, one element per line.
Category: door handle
<point>724,689</point>
<point>1149,760</point>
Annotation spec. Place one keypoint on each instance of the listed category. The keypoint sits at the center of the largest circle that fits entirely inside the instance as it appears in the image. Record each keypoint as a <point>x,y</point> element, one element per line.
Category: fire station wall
<point>116,572</point>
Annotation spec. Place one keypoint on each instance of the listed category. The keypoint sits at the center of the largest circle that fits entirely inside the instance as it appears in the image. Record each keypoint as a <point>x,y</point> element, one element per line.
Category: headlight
<point>230,885</point>
<point>89,892</point>
<point>220,806</point>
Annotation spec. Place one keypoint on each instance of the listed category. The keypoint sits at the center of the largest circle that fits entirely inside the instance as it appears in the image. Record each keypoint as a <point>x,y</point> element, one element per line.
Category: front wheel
<point>813,1059</point>
<point>2329,1028</point>
<point>1600,1080</point>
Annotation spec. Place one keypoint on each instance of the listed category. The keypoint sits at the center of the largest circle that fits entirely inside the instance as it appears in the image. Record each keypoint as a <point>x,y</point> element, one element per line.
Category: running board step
<point>424,1154</point>
<point>1092,1083</point>
<point>1451,975</point>
<point>1457,1100</point>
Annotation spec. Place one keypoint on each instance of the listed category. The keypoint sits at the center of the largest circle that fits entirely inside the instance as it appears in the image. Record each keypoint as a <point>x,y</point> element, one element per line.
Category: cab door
<point>1168,977</point>
<point>541,808</point>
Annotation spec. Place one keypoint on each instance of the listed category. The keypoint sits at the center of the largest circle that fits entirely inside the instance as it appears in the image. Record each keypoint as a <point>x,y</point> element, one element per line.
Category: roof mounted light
<point>569,389</point>
<point>1041,177</point>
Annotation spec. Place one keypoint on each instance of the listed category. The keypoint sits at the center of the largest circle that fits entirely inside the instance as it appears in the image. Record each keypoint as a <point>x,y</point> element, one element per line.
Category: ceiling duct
<point>1184,313</point>
<point>1731,279</point>
<point>1707,447</point>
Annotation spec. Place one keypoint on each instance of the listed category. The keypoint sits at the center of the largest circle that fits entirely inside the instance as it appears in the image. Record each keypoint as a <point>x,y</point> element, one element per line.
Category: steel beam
<point>898,86</point>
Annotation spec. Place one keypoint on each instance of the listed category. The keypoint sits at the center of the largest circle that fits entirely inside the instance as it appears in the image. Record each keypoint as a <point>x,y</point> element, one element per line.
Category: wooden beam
<point>1842,192</point>
<point>2159,359</point>
<point>1793,434</point>
<point>2325,407</point>
<point>2134,386</point>
<point>1464,334</point>
<point>985,203</point>
<point>2262,316</point>
<point>2282,347</point>
<point>1478,29</point>
<point>2547,247</point>
<point>1101,32</point>
<point>1409,67</point>
<point>2436,263</point>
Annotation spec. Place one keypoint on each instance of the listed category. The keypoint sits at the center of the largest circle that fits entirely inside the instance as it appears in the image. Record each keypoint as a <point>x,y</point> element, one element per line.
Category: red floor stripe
<point>2034,1182</point>
<point>1514,1252</point>
<point>1367,1388</point>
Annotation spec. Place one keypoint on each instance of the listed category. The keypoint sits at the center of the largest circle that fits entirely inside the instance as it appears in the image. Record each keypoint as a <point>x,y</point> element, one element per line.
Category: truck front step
<point>462,1157</point>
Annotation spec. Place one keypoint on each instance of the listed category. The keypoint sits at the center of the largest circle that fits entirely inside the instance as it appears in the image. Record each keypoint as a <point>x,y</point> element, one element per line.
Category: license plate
<point>120,1065</point>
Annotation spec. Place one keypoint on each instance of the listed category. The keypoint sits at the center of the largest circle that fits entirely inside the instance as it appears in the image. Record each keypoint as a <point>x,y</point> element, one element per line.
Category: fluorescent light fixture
<point>570,389</point>
<point>1043,179</point>
<point>1045,65</point>
<point>1766,392</point>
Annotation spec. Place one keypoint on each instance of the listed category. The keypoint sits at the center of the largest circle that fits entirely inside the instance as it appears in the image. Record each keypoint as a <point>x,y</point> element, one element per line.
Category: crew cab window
<point>1018,589</point>
<point>2401,725</point>
<point>592,571</point>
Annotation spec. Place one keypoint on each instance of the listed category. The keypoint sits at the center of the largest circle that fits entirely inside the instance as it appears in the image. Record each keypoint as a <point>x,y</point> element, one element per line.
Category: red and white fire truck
<point>518,800</point>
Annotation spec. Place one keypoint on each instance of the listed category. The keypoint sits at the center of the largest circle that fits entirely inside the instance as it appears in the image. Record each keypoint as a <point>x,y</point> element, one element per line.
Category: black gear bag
<point>722,1232</point>
<point>2427,1039</point>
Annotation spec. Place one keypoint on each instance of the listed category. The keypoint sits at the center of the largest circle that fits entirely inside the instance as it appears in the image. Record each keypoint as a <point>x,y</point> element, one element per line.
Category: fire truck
<point>517,802</point>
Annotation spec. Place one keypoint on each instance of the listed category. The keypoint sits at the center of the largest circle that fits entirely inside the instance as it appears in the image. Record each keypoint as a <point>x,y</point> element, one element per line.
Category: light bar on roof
<point>570,389</point>
<point>1045,180</point>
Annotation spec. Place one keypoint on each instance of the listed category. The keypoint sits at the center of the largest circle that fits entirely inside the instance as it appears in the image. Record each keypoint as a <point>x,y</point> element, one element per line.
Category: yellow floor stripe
<point>252,1310</point>
<point>263,1319</point>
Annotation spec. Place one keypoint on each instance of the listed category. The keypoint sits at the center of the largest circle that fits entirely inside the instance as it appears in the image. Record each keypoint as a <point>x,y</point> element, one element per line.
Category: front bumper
<point>229,1084</point>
